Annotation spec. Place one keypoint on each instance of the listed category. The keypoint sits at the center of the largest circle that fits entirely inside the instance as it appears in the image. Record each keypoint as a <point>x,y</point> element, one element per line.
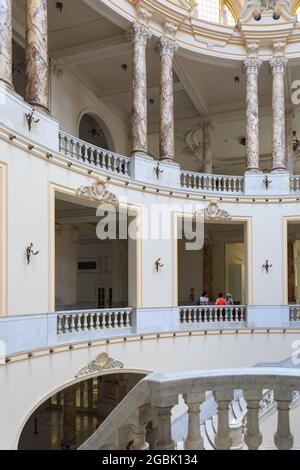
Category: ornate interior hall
<point>149,225</point>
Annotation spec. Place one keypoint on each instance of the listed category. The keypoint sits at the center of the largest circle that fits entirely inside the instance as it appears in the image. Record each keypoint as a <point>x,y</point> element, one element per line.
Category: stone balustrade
<point>295,184</point>
<point>93,320</point>
<point>212,314</point>
<point>150,404</point>
<point>95,156</point>
<point>209,182</point>
<point>294,313</point>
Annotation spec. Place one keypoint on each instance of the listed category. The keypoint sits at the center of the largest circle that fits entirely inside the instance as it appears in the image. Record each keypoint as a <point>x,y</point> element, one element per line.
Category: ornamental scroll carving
<point>214,212</point>
<point>101,363</point>
<point>98,192</point>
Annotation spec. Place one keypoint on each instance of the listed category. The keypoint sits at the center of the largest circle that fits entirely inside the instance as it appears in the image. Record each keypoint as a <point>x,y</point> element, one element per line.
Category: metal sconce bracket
<point>267,266</point>
<point>31,119</point>
<point>158,171</point>
<point>158,265</point>
<point>267,182</point>
<point>30,253</point>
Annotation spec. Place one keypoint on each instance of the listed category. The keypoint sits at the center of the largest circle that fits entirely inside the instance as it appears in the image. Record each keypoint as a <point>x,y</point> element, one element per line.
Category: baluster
<point>194,440</point>
<point>109,320</point>
<point>283,438</point>
<point>59,325</point>
<point>190,315</point>
<point>127,319</point>
<point>72,325</point>
<point>165,441</point>
<point>85,321</point>
<point>253,436</point>
<point>67,325</point>
<point>223,440</point>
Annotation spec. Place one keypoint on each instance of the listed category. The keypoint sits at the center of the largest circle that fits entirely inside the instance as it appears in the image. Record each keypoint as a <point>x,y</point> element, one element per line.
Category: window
<point>215,11</point>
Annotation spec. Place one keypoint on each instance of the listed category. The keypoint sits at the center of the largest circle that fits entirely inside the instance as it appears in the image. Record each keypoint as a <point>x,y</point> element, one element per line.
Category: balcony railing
<point>217,183</point>
<point>151,402</point>
<point>295,184</point>
<point>294,313</point>
<point>93,320</point>
<point>87,153</point>
<point>212,314</point>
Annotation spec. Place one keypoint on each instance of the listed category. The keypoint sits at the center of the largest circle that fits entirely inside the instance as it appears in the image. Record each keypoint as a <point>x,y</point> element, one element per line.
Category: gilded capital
<point>139,33</point>
<point>167,46</point>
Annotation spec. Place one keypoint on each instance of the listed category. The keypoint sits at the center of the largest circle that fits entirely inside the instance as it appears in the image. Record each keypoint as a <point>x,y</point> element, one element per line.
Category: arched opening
<point>94,131</point>
<point>68,418</point>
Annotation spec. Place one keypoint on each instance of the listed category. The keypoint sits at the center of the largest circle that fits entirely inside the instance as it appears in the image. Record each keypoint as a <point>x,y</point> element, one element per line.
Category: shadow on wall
<point>93,130</point>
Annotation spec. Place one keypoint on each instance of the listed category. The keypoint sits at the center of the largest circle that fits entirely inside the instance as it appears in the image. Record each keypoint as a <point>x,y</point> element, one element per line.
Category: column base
<point>252,170</point>
<point>141,153</point>
<point>279,170</point>
<point>39,107</point>
<point>144,168</point>
<point>7,85</point>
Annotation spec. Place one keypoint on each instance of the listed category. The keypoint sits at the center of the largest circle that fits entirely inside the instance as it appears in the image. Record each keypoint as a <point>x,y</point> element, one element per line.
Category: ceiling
<point>99,53</point>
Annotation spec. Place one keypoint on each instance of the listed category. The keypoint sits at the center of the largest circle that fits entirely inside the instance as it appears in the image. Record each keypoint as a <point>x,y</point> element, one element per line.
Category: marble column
<point>208,268</point>
<point>251,67</point>
<point>139,35</point>
<point>207,129</point>
<point>278,63</point>
<point>69,417</point>
<point>167,48</point>
<point>37,54</point>
<point>6,42</point>
<point>289,149</point>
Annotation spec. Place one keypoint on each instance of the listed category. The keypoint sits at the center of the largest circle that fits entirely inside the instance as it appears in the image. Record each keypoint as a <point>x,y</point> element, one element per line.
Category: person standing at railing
<point>229,301</point>
<point>203,299</point>
<point>221,302</point>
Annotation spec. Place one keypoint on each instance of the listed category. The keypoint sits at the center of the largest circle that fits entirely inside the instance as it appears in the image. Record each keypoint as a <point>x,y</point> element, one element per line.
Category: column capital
<point>278,64</point>
<point>139,33</point>
<point>167,46</point>
<point>252,48</point>
<point>252,64</point>
<point>207,126</point>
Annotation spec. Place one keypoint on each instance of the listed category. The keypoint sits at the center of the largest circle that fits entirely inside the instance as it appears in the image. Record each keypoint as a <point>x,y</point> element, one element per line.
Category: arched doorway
<point>68,418</point>
<point>94,131</point>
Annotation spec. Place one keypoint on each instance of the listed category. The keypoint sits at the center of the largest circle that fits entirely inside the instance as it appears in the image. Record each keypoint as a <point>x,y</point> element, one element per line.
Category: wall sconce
<point>158,171</point>
<point>31,119</point>
<point>158,265</point>
<point>30,253</point>
<point>267,266</point>
<point>267,182</point>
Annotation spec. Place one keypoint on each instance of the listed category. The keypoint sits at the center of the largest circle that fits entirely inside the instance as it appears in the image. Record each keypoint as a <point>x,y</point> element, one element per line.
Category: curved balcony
<point>104,160</point>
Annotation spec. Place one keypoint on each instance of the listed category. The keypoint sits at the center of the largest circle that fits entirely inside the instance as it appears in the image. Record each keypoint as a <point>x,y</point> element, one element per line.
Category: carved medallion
<point>101,363</point>
<point>97,192</point>
<point>214,212</point>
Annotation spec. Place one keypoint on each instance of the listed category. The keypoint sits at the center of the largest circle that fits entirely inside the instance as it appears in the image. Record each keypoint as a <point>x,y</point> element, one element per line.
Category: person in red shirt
<point>221,300</point>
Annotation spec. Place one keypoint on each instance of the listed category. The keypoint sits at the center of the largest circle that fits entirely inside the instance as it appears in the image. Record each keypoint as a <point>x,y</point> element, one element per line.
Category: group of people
<point>220,301</point>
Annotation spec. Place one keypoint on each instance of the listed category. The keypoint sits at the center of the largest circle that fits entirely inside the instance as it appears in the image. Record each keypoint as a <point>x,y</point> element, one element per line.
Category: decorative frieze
<point>101,363</point>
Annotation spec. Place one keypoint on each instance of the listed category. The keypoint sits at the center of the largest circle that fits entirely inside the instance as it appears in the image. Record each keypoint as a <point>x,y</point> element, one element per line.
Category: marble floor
<point>49,430</point>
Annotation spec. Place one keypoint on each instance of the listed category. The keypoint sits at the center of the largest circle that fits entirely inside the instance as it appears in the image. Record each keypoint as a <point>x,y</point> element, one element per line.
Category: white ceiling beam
<point>152,92</point>
<point>93,51</point>
<point>190,88</point>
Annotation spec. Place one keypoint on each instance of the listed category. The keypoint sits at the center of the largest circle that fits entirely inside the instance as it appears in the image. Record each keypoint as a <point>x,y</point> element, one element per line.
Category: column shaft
<point>139,35</point>
<point>37,54</point>
<point>251,65</point>
<point>167,49</point>
<point>278,64</point>
<point>207,129</point>
<point>289,150</point>
<point>6,42</point>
